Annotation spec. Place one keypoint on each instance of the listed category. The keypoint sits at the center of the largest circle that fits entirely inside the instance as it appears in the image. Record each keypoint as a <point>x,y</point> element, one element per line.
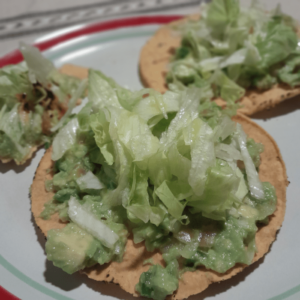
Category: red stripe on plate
<point>15,56</point>
<point>5,295</point>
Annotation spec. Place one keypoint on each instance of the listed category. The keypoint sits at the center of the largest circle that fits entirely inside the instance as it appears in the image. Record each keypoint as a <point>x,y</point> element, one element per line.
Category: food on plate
<point>141,186</point>
<point>250,55</point>
<point>35,101</point>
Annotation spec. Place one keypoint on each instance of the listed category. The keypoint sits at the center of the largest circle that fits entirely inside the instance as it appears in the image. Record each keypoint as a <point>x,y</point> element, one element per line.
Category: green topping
<point>33,97</point>
<point>235,243</point>
<point>158,282</point>
<point>231,48</point>
<point>65,195</point>
<point>182,52</point>
<point>214,203</point>
<point>266,206</point>
<point>8,148</point>
<point>70,248</point>
<point>290,72</point>
<point>254,150</point>
<point>49,210</point>
<point>52,207</point>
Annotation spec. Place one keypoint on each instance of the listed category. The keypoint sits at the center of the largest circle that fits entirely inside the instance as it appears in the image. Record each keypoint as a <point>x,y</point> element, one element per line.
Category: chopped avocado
<point>182,52</point>
<point>158,282</point>
<point>52,207</point>
<point>265,206</point>
<point>254,150</point>
<point>62,210</point>
<point>64,195</point>
<point>185,74</point>
<point>49,209</point>
<point>234,243</point>
<point>70,248</point>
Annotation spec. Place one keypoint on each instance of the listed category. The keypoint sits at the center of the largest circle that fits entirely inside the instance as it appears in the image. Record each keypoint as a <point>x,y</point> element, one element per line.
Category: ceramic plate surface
<point>114,49</point>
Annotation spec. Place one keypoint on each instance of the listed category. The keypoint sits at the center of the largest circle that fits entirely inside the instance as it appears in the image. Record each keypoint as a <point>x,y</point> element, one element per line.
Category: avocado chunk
<point>70,248</point>
<point>158,282</point>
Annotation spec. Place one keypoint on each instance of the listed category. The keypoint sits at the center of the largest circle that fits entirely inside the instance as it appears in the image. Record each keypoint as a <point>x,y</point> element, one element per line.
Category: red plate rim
<point>5,295</point>
<point>15,56</point>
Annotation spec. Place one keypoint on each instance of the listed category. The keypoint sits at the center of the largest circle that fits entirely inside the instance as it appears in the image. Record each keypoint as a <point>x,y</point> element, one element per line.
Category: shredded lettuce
<point>255,185</point>
<point>65,139</point>
<point>72,103</point>
<point>289,73</point>
<point>89,181</point>
<point>174,207</point>
<point>33,99</point>
<point>87,221</point>
<point>11,125</point>
<point>39,67</point>
<point>232,48</point>
<point>202,157</point>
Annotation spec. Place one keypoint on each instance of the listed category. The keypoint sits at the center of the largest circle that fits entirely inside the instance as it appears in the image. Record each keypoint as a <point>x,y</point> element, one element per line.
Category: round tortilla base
<point>156,55</point>
<point>127,273</point>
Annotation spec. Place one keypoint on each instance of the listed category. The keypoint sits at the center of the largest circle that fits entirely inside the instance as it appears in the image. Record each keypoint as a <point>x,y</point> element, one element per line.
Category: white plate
<point>24,270</point>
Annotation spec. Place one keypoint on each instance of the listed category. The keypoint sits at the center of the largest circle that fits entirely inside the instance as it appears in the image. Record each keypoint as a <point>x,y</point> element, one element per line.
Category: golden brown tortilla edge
<point>75,71</point>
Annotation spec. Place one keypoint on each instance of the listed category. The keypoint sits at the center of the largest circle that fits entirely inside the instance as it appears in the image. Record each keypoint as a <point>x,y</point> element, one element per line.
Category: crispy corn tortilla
<point>127,273</point>
<point>70,70</point>
<point>155,57</point>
